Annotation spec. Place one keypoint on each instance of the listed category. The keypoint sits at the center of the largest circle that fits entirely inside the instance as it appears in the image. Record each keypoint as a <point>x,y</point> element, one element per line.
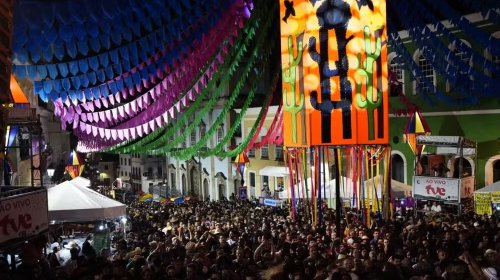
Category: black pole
<point>338,202</point>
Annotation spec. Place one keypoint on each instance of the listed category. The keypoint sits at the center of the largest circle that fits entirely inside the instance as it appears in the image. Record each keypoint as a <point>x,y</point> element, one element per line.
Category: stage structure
<point>441,173</point>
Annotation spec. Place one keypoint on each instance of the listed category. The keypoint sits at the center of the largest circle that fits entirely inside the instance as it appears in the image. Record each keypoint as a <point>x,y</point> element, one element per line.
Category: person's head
<point>442,254</point>
<point>348,264</point>
<point>191,271</point>
<point>170,271</point>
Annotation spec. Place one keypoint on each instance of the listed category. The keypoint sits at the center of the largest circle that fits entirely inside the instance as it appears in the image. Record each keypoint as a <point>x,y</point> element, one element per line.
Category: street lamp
<point>50,172</point>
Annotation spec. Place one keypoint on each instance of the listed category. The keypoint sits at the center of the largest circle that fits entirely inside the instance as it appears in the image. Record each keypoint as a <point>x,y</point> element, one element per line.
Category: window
<point>427,71</point>
<point>397,168</point>
<point>265,181</point>
<point>466,168</point>
<point>129,162</point>
<point>278,152</point>
<point>150,171</point>
<point>252,179</point>
<point>396,76</point>
<point>172,180</point>
<point>160,171</point>
<point>264,151</point>
<point>192,139</point>
<point>496,171</point>
<point>105,167</point>
<point>220,134</point>
<point>203,129</point>
<point>251,153</point>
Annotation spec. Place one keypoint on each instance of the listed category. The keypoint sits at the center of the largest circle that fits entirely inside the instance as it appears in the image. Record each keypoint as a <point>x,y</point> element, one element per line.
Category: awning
<point>275,171</point>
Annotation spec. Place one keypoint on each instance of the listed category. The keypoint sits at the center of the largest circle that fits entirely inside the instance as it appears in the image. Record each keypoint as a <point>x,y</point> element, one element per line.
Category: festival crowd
<point>241,240</point>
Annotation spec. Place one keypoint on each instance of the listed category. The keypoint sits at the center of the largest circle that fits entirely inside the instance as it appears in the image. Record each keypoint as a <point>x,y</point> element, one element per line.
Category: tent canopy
<point>495,187</point>
<point>275,171</point>
<point>69,202</point>
<point>81,181</point>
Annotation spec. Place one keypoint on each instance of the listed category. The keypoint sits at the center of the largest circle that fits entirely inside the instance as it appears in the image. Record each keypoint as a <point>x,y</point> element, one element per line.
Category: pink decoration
<point>102,117</point>
<point>97,103</point>
<point>88,129</point>
<point>145,128</point>
<point>178,106</point>
<point>152,125</point>
<point>126,134</point>
<point>120,111</point>
<point>101,132</point>
<point>76,122</point>
<point>113,134</point>
<point>132,132</point>
<point>104,102</point>
<point>112,99</point>
<point>158,121</point>
<point>90,117</point>
<point>95,115</point>
<point>108,115</point>
<point>171,111</point>
<point>139,130</point>
<point>139,102</point>
<point>165,117</point>
<point>84,117</point>
<point>134,106</point>
<point>114,112</point>
<point>107,133</point>
<point>127,108</point>
<point>120,134</point>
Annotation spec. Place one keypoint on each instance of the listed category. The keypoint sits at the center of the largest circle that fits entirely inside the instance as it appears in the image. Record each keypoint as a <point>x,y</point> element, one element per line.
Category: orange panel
<point>16,92</point>
<point>334,57</point>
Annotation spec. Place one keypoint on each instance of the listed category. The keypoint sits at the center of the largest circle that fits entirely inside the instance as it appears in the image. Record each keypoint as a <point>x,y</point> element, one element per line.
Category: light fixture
<point>50,170</point>
<point>124,220</point>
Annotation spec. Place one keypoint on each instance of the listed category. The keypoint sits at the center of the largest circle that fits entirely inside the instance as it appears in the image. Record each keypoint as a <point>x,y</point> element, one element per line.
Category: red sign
<point>23,215</point>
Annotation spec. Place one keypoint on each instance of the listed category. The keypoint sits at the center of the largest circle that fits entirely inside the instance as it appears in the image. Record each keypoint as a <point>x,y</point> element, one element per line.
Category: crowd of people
<point>241,240</point>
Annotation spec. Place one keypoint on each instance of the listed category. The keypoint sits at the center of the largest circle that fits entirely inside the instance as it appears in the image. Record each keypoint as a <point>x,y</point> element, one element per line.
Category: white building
<point>141,172</point>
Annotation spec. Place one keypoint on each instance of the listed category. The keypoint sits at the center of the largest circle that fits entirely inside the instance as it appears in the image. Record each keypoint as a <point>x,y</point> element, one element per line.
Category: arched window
<point>396,75</point>
<point>458,52</point>
<point>397,168</point>
<point>424,85</point>
<point>466,168</point>
<point>496,171</point>
<point>492,68</point>
<point>192,139</point>
<point>220,134</point>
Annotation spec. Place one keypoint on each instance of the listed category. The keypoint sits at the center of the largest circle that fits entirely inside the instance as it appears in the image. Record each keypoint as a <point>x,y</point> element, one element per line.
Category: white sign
<point>23,215</point>
<point>446,189</point>
<point>467,187</point>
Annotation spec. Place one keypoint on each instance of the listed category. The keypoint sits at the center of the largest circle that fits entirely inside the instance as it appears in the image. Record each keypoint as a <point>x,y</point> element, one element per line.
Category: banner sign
<point>495,197</point>
<point>467,187</point>
<point>243,193</point>
<point>482,203</point>
<point>446,189</point>
<point>272,202</point>
<point>24,215</point>
<point>334,59</point>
